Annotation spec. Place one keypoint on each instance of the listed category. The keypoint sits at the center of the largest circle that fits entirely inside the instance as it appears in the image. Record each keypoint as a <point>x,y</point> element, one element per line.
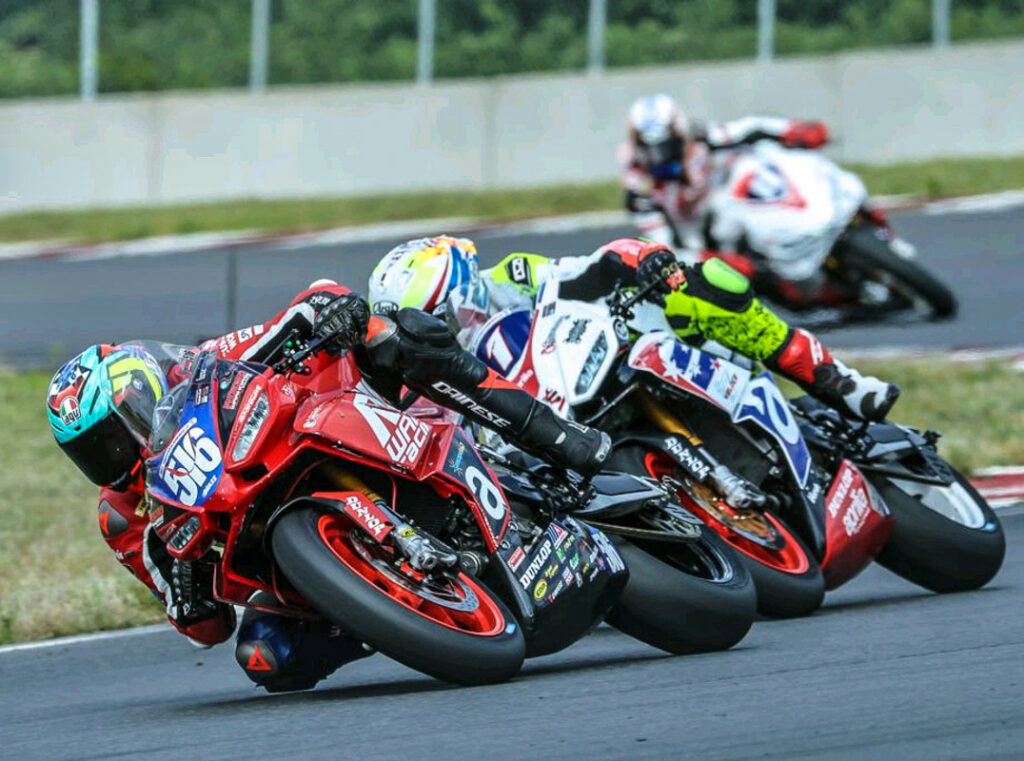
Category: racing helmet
<point>658,128</point>
<point>99,407</point>
<point>421,273</point>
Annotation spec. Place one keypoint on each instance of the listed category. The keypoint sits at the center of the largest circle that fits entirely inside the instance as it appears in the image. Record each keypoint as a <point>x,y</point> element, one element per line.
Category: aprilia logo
<point>405,442</point>
<point>694,465</point>
<point>358,510</point>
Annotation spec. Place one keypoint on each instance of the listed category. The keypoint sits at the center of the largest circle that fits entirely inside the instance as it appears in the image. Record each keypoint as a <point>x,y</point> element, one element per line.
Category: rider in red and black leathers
<point>412,349</point>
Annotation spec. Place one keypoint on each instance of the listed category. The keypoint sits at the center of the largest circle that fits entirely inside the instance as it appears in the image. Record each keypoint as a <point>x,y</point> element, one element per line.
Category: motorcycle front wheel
<point>449,626</point>
<point>684,597</point>
<point>861,249</point>
<point>786,575</point>
<point>944,538</point>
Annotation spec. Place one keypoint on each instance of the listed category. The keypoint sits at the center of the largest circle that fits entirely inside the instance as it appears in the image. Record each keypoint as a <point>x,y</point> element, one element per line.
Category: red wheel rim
<point>787,556</point>
<point>470,610</point>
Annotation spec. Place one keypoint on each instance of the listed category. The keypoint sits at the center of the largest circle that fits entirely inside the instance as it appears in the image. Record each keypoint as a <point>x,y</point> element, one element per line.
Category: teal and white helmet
<point>82,408</point>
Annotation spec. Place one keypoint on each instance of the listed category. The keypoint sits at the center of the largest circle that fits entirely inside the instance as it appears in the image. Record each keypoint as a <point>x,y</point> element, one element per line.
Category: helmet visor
<point>106,452</point>
<point>665,152</point>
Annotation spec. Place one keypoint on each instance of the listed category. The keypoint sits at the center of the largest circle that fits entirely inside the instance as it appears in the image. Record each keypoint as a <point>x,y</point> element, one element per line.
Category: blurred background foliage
<point>184,44</point>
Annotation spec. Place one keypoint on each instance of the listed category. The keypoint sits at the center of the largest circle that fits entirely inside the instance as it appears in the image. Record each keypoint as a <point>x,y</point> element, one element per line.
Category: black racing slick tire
<point>684,597</point>
<point>863,249</point>
<point>933,550</point>
<point>785,594</point>
<point>318,554</point>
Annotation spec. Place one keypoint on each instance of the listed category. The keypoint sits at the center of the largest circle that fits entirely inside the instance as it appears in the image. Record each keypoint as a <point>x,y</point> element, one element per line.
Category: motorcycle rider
<point>441,275</point>
<point>410,348</point>
<point>666,167</point>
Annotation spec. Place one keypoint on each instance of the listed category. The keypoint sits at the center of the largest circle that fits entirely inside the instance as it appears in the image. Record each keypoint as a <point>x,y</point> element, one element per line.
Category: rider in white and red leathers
<point>666,163</point>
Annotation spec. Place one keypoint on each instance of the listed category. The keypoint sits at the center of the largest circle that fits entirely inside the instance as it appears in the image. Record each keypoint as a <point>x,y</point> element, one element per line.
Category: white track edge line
<point>135,631</point>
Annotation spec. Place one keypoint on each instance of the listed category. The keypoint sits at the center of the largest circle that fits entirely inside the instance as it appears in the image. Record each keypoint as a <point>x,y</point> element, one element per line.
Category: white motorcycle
<point>844,493</point>
<point>807,232</point>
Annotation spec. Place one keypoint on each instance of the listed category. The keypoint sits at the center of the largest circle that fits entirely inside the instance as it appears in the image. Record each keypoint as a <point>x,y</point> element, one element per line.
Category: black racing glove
<point>658,268</point>
<point>343,321</point>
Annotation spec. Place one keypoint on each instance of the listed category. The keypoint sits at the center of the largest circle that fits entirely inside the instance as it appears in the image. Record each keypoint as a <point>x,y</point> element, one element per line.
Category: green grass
<point>933,179</point>
<point>57,576</point>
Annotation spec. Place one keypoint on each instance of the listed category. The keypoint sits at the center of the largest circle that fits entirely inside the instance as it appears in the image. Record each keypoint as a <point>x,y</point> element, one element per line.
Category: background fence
<point>50,47</point>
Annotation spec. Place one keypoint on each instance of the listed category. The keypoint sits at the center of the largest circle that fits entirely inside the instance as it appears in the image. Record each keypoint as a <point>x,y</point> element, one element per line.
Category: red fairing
<point>806,134</point>
<point>378,435</point>
<point>801,354</point>
<point>857,526</point>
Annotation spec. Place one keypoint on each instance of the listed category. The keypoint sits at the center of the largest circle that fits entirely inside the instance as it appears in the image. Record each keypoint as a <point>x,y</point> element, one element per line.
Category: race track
<point>884,671</point>
<point>51,308</point>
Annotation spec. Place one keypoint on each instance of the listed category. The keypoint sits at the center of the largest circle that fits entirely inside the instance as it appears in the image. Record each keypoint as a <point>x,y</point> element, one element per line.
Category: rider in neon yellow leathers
<point>441,275</point>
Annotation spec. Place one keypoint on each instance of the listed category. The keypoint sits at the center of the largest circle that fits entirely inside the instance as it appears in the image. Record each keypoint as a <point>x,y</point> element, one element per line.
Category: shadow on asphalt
<point>350,692</point>
<point>913,596</point>
<point>603,662</point>
<point>410,686</point>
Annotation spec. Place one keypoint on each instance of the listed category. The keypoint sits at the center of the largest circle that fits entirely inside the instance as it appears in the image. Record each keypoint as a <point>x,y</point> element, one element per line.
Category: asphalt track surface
<point>50,309</point>
<point>883,671</point>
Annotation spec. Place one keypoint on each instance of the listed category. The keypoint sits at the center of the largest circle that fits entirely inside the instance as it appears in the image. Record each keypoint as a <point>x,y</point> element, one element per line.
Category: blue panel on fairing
<point>512,332</point>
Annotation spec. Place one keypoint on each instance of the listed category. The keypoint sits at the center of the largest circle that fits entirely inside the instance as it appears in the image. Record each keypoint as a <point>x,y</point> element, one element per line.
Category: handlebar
<point>293,360</point>
<point>621,302</point>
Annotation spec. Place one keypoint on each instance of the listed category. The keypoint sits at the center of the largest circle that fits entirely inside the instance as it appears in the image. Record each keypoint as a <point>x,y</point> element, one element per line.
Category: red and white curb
<point>178,244</point>
<point>1013,355</point>
<point>1002,486</point>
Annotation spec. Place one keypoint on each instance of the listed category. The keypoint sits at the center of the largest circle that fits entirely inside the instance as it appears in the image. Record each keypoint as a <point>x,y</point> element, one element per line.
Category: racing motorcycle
<point>308,495</point>
<point>842,492</point>
<point>792,216</point>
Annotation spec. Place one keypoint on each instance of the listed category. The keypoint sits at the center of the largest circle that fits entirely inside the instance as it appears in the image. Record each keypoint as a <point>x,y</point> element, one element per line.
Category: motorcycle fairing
<point>764,404</point>
<point>755,196</point>
<point>573,563</point>
<point>503,339</point>
<point>463,465</point>
<point>711,378</point>
<point>857,525</point>
<point>421,446</point>
<point>189,468</point>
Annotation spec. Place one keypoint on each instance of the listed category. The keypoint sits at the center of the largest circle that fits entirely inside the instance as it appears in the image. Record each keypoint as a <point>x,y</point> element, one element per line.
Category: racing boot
<point>282,654</point>
<point>424,351</point>
<point>803,359</point>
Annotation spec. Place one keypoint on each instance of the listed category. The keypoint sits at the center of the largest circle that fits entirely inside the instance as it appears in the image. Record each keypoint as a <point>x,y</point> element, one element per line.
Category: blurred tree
<point>164,44</point>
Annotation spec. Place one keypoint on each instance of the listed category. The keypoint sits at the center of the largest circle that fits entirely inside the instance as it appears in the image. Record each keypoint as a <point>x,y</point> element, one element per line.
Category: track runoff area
<point>884,670</point>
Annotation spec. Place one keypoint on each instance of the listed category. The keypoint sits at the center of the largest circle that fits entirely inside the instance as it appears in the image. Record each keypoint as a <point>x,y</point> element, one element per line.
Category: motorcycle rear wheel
<point>452,628</point>
<point>946,539</point>
<point>684,598</point>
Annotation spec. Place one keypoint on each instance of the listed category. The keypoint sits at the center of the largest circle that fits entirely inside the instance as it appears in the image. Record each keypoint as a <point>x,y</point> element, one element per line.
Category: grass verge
<point>933,179</point>
<point>57,576</point>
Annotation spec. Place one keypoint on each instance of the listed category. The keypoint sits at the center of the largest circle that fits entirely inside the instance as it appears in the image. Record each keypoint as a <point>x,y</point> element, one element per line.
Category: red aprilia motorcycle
<point>303,484</point>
